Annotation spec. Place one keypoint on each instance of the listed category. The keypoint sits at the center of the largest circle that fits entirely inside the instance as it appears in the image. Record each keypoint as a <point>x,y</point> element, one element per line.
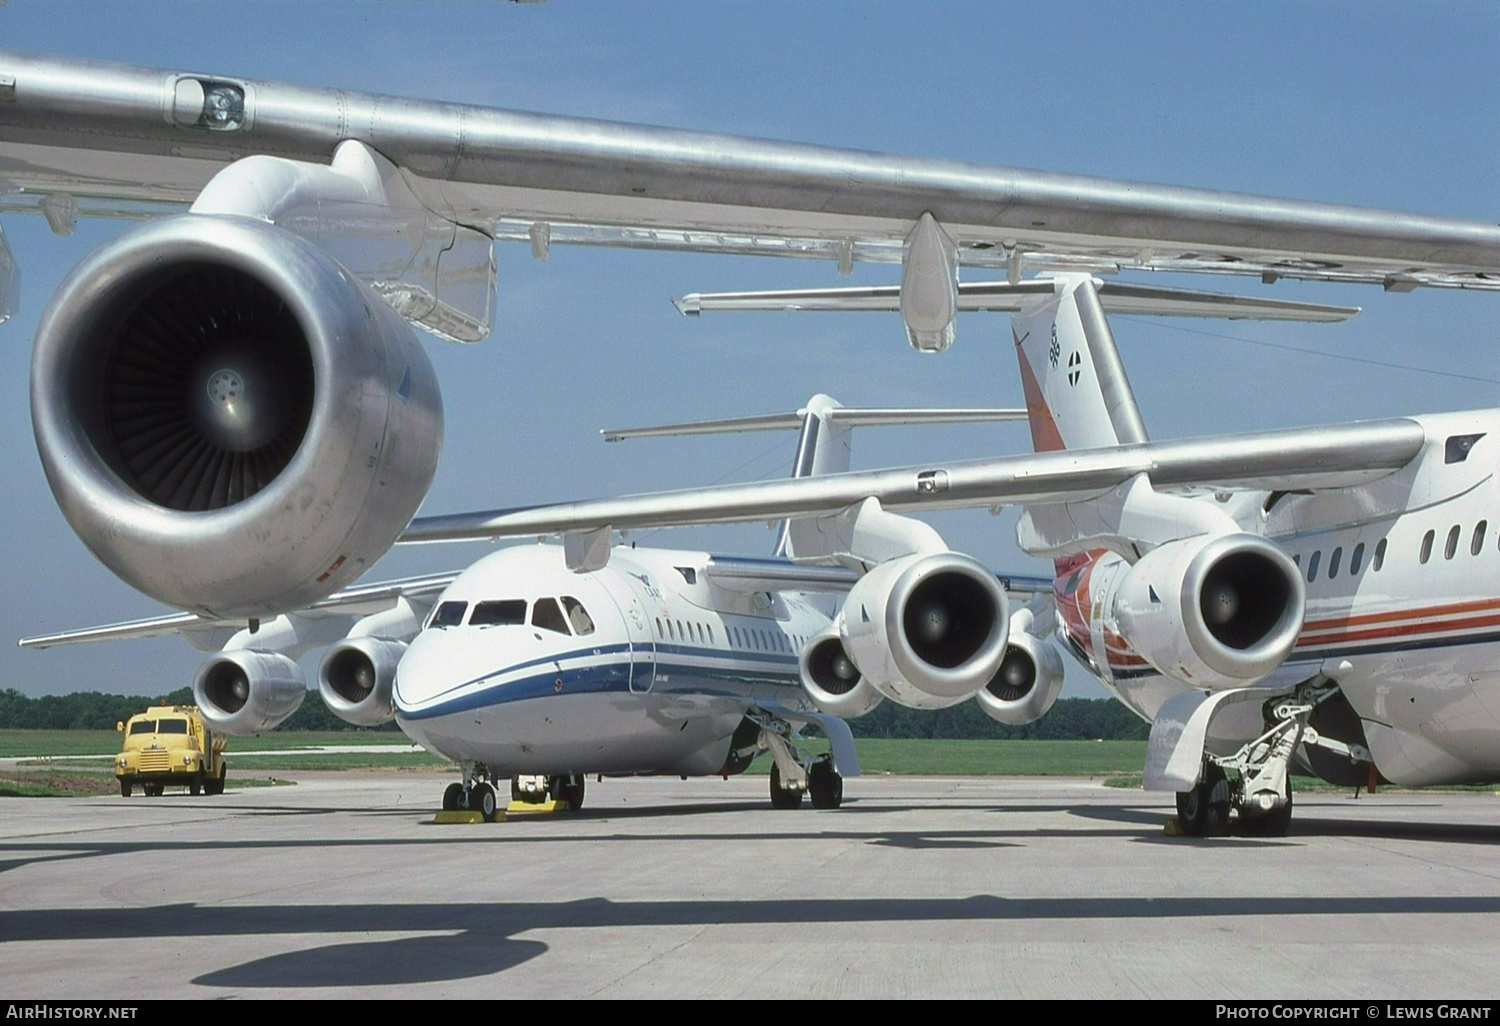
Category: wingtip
<point>689,305</point>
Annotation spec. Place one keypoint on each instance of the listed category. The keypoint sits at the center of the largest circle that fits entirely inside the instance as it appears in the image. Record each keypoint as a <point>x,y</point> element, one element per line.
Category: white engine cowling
<point>355,678</point>
<point>1028,681</point>
<point>245,692</point>
<point>1212,612</point>
<point>926,631</point>
<point>231,421</point>
<point>831,679</point>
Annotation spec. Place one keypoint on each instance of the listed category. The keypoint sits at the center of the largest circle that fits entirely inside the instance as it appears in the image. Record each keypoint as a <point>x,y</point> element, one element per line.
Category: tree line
<point>1070,719</point>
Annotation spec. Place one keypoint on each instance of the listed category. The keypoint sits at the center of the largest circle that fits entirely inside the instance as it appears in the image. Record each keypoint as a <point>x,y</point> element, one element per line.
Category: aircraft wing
<point>1304,458</point>
<point>360,600</point>
<point>749,573</point>
<point>81,136</point>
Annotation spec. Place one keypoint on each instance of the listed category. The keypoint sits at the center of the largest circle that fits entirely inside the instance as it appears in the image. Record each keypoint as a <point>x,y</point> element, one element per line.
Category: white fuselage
<point>641,667</point>
<point>1402,606</point>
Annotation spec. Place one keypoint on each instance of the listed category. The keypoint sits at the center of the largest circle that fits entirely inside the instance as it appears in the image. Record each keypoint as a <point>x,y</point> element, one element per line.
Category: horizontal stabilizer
<point>1004,297</point>
<point>842,415</point>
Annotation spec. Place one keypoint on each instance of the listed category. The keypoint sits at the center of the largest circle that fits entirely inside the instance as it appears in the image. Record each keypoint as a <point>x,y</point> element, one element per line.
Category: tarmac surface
<point>342,886</point>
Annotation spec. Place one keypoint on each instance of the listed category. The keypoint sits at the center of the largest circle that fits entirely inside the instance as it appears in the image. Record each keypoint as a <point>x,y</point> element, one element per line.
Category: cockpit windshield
<point>578,616</point>
<point>448,614</point>
<point>546,615</point>
<point>497,612</point>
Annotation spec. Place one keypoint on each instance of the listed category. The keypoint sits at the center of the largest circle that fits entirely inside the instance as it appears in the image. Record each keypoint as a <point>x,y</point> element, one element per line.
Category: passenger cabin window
<point>579,617</point>
<point>1356,558</point>
<point>546,615</point>
<point>1312,566</point>
<point>1333,562</point>
<point>1379,555</point>
<point>1426,553</point>
<point>1476,545</point>
<point>499,612</point>
<point>1451,545</point>
<point>449,614</point>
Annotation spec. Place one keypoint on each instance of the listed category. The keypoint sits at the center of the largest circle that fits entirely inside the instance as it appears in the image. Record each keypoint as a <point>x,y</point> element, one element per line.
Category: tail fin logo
<point>1074,370</point>
<point>1055,351</point>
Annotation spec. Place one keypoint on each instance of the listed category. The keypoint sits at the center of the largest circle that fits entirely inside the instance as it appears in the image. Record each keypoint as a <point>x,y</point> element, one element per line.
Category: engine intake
<point>245,692</point>
<point>1028,681</point>
<point>1212,612</point>
<point>230,421</point>
<point>927,631</point>
<point>832,681</point>
<point>356,677</point>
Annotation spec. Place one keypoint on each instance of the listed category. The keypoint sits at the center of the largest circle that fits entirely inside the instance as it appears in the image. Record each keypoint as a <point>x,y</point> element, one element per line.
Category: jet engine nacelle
<point>927,631</point>
<point>831,679</point>
<point>1027,683</point>
<point>232,422</point>
<point>355,678</point>
<point>245,692</point>
<point>1212,612</point>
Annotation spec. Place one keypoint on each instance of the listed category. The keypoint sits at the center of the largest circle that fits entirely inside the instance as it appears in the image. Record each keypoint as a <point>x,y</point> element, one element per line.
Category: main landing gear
<point>1258,784</point>
<point>795,773</point>
<point>535,790</point>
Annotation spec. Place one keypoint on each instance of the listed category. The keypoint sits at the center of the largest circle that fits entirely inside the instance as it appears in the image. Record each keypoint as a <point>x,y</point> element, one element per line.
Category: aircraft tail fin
<point>825,438</point>
<point>1077,394</point>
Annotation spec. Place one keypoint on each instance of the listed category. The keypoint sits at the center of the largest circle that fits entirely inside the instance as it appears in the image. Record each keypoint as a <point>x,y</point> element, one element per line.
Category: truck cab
<point>170,745</point>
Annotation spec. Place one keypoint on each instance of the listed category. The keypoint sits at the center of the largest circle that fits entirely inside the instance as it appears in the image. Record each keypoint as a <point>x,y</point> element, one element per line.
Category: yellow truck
<point>170,745</point>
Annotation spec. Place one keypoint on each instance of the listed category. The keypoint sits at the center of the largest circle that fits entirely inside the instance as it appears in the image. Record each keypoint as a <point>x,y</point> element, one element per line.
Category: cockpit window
<point>449,614</point>
<point>143,727</point>
<point>578,616</point>
<point>499,611</point>
<point>548,617</point>
<point>172,727</point>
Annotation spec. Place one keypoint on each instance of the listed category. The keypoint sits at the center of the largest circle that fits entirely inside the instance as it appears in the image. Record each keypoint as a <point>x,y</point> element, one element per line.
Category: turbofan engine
<point>831,679</point>
<point>232,422</point>
<point>245,692</point>
<point>1212,612</point>
<point>1029,679</point>
<point>927,631</point>
<point>355,678</point>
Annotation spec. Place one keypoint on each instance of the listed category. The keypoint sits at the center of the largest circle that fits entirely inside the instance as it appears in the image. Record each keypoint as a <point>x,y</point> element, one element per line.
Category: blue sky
<point>1382,104</point>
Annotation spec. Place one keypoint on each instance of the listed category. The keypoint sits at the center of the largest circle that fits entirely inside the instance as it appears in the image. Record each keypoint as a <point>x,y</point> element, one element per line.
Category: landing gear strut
<point>471,795</point>
<point>795,773</point>
<point>1260,789</point>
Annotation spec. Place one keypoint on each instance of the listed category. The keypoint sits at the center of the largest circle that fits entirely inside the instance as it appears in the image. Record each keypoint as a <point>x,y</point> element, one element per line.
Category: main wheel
<point>1204,810</point>
<point>482,801</point>
<point>125,788</point>
<point>1275,823</point>
<point>569,789</point>
<point>453,794</point>
<point>824,785</point>
<point>783,797</point>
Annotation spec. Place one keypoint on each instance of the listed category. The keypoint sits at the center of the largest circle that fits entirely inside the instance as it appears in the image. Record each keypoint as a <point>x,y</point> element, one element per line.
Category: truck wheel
<point>125,788</point>
<point>195,786</point>
<point>217,786</point>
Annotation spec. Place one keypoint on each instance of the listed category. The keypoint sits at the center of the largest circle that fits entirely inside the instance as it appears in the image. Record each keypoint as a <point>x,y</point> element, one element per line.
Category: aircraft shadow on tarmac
<point>472,938</point>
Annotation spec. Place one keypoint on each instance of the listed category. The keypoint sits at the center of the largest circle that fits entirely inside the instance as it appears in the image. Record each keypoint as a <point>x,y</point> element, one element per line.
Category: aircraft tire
<point>824,785</point>
<point>783,797</point>
<point>452,795</point>
<point>1204,810</point>
<point>569,789</point>
<point>482,801</point>
<point>1275,823</point>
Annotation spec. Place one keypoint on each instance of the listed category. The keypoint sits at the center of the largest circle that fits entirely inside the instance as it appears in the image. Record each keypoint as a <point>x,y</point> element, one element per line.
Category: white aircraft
<point>228,404</point>
<point>1321,597</point>
<point>527,668</point>
<point>235,418</point>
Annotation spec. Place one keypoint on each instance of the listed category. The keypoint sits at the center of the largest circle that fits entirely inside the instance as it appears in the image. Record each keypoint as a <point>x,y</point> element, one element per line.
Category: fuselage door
<point>625,589</point>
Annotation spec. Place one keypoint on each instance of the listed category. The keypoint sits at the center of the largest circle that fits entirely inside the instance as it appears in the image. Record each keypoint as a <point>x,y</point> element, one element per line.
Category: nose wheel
<point>470,796</point>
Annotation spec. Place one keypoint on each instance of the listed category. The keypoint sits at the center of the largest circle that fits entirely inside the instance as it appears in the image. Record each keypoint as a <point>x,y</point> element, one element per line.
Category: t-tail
<point>825,435</point>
